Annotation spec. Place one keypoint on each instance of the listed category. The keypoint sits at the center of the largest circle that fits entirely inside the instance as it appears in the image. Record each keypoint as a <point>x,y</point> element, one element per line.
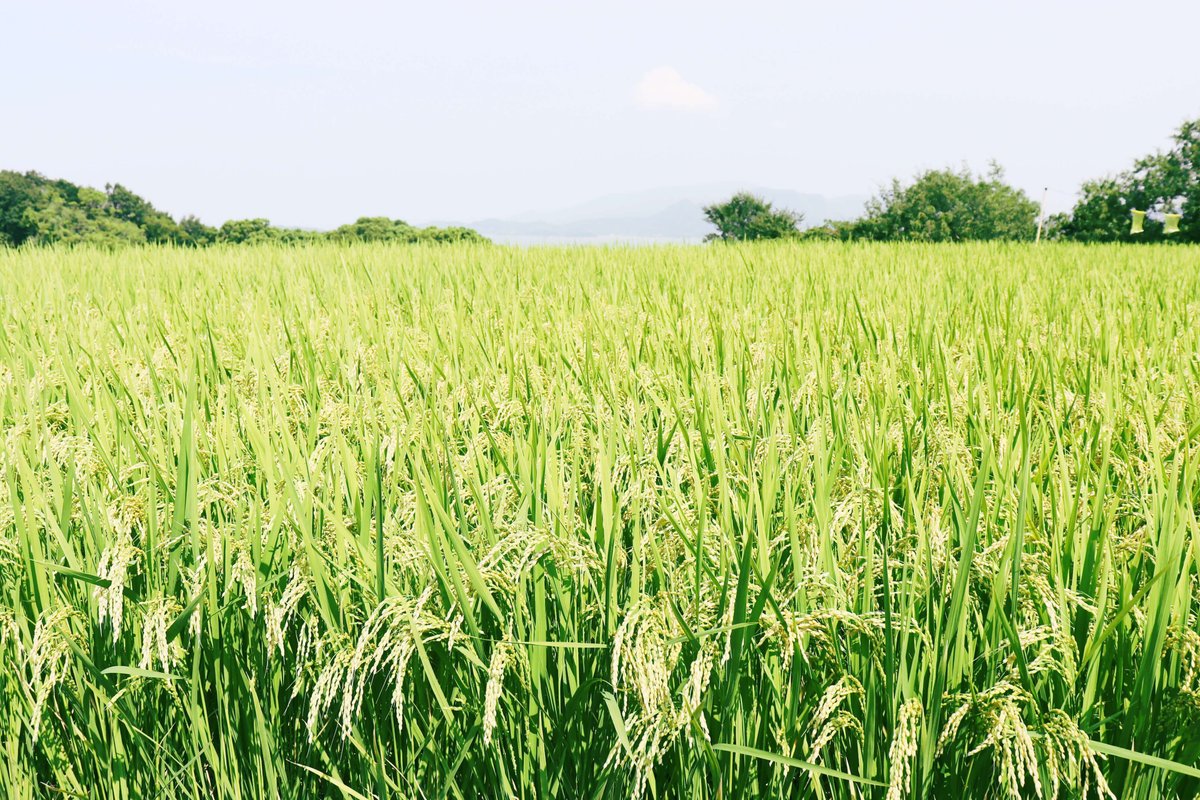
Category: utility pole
<point>1041,216</point>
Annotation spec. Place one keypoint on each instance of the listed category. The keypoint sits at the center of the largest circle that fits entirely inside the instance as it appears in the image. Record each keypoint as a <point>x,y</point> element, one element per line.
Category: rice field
<point>816,520</point>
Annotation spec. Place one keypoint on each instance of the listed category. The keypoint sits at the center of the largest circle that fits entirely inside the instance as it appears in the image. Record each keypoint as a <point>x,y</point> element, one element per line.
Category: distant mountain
<point>667,214</point>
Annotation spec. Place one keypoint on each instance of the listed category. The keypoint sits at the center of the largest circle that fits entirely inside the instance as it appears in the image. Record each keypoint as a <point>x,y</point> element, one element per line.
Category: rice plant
<point>829,521</point>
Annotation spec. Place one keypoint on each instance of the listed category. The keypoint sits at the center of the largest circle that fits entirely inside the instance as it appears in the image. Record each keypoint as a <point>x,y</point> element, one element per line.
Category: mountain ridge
<point>662,214</point>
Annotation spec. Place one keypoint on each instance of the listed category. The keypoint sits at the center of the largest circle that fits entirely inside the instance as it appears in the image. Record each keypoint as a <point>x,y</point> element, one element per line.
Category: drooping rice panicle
<point>795,520</point>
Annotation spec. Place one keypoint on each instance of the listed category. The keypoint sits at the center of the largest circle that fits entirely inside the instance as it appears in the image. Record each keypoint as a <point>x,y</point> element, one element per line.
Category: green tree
<point>745,217</point>
<point>39,210</point>
<point>246,231</point>
<point>19,194</point>
<point>451,235</point>
<point>195,233</point>
<point>58,221</point>
<point>1165,182</point>
<point>297,235</point>
<point>384,229</point>
<point>948,206</point>
<point>157,225</point>
<point>376,229</point>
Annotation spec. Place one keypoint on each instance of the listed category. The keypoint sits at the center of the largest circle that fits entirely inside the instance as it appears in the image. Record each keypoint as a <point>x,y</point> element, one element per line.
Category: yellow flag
<point>1171,223</point>
<point>1139,217</point>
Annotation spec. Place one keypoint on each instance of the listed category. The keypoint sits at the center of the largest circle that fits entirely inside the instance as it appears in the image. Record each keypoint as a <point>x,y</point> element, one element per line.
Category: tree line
<point>35,209</point>
<point>937,206</point>
<point>956,205</point>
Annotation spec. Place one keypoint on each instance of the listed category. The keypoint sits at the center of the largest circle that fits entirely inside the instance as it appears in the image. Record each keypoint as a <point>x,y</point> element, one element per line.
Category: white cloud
<point>664,87</point>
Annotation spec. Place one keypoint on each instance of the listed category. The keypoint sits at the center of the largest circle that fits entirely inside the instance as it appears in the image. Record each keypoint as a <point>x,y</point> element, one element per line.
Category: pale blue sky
<point>315,113</point>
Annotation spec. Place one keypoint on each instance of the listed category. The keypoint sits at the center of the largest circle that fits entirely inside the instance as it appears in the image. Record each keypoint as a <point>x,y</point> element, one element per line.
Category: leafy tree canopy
<point>376,229</point>
<point>384,229</point>
<point>1162,183</point>
<point>948,206</point>
<point>745,217</point>
<point>38,210</point>
<point>195,233</point>
<point>246,231</point>
<point>452,234</point>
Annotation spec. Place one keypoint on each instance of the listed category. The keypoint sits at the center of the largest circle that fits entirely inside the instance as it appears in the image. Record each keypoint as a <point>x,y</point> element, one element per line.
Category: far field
<point>806,520</point>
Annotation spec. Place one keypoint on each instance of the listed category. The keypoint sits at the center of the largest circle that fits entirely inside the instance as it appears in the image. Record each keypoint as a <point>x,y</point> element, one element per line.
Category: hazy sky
<point>315,113</point>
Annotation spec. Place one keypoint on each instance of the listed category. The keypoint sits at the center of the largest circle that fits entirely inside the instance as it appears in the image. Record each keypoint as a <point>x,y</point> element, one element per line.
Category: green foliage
<point>1158,184</point>
<point>158,227</point>
<point>600,523</point>
<point>948,206</point>
<point>20,196</point>
<point>383,229</point>
<point>299,236</point>
<point>453,234</point>
<point>38,210</point>
<point>246,231</point>
<point>745,217</point>
<point>56,221</point>
<point>827,232</point>
<point>195,233</point>
<point>261,231</point>
<point>376,229</point>
<point>1102,213</point>
<point>1055,227</point>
